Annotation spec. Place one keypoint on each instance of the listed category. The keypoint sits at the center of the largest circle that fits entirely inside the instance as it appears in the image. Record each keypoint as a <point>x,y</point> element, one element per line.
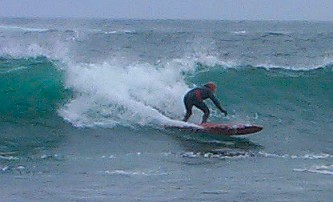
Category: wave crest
<point>111,94</point>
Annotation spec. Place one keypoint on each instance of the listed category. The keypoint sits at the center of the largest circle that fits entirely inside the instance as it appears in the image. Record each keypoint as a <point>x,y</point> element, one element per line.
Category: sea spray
<point>109,94</point>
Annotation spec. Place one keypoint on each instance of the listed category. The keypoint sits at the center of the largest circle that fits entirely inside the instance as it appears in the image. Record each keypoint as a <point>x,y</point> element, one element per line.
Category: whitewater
<point>84,102</point>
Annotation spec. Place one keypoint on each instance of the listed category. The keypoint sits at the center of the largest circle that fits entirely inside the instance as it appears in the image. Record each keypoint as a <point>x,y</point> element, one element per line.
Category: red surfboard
<point>221,129</point>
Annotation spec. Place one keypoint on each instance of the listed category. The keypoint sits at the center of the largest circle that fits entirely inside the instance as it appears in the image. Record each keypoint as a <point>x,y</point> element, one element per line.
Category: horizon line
<point>161,19</point>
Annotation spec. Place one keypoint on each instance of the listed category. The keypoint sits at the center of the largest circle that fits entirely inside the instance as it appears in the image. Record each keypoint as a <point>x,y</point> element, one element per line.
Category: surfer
<point>196,96</point>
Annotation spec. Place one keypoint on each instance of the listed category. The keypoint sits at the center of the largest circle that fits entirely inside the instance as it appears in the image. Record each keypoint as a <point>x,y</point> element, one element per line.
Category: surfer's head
<point>212,86</point>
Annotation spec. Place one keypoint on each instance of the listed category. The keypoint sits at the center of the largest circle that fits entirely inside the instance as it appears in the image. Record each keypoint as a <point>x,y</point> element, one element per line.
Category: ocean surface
<point>84,102</point>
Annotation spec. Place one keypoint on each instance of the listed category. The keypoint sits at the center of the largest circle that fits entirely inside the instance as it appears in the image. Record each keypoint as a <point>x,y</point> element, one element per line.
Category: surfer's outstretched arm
<point>217,104</point>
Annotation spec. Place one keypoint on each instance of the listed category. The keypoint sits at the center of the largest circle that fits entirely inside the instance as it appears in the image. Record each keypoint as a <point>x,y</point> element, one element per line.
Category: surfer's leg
<point>188,106</point>
<point>203,107</point>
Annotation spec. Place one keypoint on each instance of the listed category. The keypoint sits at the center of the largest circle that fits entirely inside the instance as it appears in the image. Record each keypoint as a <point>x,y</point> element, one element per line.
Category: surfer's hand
<point>224,112</point>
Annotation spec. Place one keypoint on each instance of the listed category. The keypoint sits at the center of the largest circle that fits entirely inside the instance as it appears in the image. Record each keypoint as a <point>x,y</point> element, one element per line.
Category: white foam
<point>18,28</point>
<point>133,173</point>
<point>321,169</point>
<point>240,32</point>
<point>111,94</point>
<point>119,32</point>
<point>8,157</point>
<point>209,61</point>
<point>55,50</point>
<point>122,172</point>
<point>12,70</point>
<point>216,155</point>
<point>4,168</point>
<point>292,68</point>
<point>292,156</point>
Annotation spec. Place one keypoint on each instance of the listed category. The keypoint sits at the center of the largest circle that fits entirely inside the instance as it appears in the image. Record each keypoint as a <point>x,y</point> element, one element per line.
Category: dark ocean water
<point>83,103</point>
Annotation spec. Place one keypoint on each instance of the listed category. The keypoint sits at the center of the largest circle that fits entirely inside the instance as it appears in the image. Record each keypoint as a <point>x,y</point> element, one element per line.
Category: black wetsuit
<point>195,97</point>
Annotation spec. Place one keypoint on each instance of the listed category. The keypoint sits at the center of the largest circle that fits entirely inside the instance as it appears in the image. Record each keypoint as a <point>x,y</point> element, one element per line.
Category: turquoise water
<point>84,102</point>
